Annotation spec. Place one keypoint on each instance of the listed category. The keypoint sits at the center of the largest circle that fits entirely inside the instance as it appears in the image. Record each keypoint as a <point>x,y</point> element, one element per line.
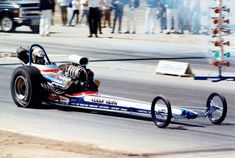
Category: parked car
<point>15,13</point>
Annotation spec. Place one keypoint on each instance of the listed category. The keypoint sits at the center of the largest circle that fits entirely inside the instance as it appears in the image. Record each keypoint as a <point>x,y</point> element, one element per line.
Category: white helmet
<point>38,56</point>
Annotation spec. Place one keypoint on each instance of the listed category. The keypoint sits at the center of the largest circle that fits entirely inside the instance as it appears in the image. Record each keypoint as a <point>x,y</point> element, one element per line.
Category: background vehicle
<point>15,13</point>
<point>32,84</point>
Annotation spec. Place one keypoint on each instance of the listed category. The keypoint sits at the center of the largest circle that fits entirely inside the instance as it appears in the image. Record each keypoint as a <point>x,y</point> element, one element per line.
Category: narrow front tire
<point>216,108</point>
<point>161,112</point>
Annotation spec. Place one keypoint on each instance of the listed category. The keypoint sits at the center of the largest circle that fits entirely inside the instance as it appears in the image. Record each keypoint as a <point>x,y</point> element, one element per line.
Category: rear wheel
<point>161,112</point>
<point>7,24</point>
<point>216,108</point>
<point>26,90</point>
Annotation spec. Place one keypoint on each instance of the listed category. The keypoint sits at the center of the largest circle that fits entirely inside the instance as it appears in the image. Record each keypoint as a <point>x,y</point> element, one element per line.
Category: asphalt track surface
<point>139,136</point>
<point>122,133</point>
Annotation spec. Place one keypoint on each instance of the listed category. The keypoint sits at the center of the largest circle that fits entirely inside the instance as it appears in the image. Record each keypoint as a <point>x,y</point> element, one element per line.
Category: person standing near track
<point>131,17</point>
<point>150,16</point>
<point>85,9</point>
<point>47,9</point>
<point>100,16</point>
<point>93,16</point>
<point>195,16</point>
<point>172,12</point>
<point>75,7</point>
<point>107,10</point>
<point>63,8</point>
<point>118,6</point>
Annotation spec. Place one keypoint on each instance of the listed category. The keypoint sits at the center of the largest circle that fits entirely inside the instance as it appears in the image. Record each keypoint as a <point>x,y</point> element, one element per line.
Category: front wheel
<point>216,108</point>
<point>7,24</point>
<point>161,112</point>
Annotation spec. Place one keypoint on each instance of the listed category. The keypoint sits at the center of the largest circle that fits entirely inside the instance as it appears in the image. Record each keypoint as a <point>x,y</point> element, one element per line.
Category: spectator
<point>195,12</point>
<point>205,23</point>
<point>150,16</point>
<point>118,6</point>
<point>69,9</point>
<point>184,16</point>
<point>131,17</point>
<point>172,14</point>
<point>161,16</point>
<point>85,10</point>
<point>75,7</point>
<point>102,3</point>
<point>63,7</point>
<point>93,16</point>
<point>107,10</point>
<point>47,9</point>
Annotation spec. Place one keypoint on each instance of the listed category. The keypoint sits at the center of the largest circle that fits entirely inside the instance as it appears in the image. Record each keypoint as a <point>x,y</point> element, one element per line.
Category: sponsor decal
<point>104,107</point>
<point>73,104</point>
<point>123,109</point>
<point>97,100</point>
<point>93,106</point>
<point>104,101</point>
<point>73,100</point>
<point>64,100</point>
<point>115,108</point>
<point>82,105</point>
<point>111,102</point>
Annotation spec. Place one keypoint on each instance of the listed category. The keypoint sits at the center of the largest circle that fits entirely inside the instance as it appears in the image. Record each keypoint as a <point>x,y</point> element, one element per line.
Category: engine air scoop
<point>76,59</point>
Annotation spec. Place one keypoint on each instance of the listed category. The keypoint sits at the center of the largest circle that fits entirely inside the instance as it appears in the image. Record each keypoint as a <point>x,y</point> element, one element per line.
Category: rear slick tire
<point>26,89</point>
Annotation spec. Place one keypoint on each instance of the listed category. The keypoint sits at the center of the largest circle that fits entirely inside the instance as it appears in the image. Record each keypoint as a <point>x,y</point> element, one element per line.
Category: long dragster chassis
<point>32,84</point>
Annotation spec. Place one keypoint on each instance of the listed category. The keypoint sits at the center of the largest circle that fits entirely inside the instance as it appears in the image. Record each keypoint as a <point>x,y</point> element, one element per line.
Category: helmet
<point>38,56</point>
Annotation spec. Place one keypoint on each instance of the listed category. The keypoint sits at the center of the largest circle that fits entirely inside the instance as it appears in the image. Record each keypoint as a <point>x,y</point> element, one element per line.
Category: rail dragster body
<point>33,84</point>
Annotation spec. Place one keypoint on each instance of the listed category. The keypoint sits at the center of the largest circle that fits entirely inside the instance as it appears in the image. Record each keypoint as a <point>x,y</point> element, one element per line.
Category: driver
<point>38,56</point>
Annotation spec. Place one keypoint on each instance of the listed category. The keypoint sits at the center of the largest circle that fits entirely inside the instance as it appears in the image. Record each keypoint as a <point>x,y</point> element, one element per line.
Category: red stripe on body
<point>84,93</point>
<point>50,70</point>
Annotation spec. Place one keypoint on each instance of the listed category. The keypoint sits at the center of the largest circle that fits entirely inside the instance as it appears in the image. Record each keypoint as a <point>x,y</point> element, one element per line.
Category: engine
<point>77,73</point>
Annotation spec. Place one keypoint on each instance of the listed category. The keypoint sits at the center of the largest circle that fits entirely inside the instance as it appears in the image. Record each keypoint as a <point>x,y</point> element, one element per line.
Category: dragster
<point>34,85</point>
